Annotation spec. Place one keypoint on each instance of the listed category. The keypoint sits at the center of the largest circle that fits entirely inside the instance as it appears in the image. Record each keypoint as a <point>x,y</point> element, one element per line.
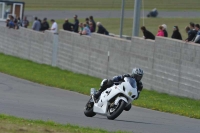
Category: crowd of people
<point>193,32</point>
<point>83,28</point>
<point>90,26</point>
<point>15,23</point>
<point>42,25</point>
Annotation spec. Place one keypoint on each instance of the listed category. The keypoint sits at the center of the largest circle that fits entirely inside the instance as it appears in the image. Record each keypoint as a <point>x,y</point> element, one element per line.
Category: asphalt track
<point>107,14</point>
<point>30,100</point>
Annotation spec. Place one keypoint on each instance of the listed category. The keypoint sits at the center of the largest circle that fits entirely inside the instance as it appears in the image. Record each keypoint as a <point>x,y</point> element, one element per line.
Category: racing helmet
<point>137,74</point>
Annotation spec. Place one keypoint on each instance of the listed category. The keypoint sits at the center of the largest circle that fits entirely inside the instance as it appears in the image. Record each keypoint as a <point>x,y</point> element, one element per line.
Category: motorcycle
<point>114,100</point>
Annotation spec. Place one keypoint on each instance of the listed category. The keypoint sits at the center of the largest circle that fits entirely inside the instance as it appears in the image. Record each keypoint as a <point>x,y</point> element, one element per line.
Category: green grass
<point>56,77</point>
<point>10,124</point>
<point>110,4</point>
<point>113,24</point>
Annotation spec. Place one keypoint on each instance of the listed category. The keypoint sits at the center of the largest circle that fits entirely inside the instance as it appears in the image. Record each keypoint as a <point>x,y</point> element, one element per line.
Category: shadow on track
<point>129,121</point>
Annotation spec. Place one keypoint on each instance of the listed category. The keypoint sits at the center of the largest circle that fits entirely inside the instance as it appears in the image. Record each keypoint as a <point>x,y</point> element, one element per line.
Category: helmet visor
<point>138,77</point>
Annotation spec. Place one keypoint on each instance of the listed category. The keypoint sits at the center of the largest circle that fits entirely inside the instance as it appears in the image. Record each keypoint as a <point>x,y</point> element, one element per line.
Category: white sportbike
<point>113,100</point>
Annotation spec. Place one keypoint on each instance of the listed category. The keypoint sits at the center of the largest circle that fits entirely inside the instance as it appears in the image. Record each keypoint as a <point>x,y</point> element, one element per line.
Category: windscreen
<point>132,82</point>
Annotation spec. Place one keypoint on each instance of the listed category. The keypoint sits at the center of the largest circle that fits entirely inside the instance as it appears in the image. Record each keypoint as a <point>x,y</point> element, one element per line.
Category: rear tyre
<point>89,109</point>
<point>114,112</point>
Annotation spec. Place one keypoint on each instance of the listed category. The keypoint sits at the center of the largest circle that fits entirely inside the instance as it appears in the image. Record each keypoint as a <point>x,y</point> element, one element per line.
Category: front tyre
<point>128,107</point>
<point>89,109</point>
<point>114,112</point>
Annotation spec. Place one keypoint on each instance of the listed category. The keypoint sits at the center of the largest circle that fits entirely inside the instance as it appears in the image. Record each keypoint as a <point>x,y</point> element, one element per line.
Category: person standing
<point>191,33</point>
<point>160,31</point>
<point>25,22</point>
<point>45,25</point>
<point>11,23</point>
<point>176,34</point>
<point>188,31</point>
<point>147,34</point>
<point>165,30</point>
<point>19,21</point>
<point>87,22</point>
<point>93,23</point>
<point>91,27</point>
<point>197,38</point>
<point>36,25</point>
<point>76,24</point>
<point>54,27</point>
<point>81,27</point>
<point>193,30</point>
<point>67,25</point>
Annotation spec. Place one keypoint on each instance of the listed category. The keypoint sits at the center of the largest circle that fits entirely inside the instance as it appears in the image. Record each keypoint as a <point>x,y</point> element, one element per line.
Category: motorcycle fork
<point>112,104</point>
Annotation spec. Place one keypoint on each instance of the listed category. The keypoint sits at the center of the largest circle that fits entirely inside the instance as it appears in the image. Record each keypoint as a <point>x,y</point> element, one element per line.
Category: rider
<point>137,74</point>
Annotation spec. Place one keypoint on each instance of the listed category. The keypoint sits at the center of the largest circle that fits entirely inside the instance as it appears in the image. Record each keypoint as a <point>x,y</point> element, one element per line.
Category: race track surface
<point>107,14</point>
<point>30,100</point>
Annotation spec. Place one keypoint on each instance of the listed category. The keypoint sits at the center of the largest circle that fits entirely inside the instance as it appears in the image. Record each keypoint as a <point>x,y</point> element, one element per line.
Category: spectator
<point>147,34</point>
<point>54,27</point>
<point>19,21</point>
<point>36,25</point>
<point>44,25</point>
<point>91,27</point>
<point>197,38</point>
<point>11,22</point>
<point>76,24</point>
<point>101,29</point>
<point>195,31</point>
<point>16,26</point>
<point>67,25</point>
<point>93,22</point>
<point>160,31</point>
<point>191,33</point>
<point>40,24</point>
<point>86,30</point>
<point>87,22</point>
<point>188,31</point>
<point>25,22</point>
<point>81,27</point>
<point>176,34</point>
<point>165,30</point>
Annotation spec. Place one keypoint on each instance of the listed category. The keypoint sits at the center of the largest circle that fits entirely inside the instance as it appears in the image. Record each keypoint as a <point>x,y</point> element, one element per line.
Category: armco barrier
<point>170,66</point>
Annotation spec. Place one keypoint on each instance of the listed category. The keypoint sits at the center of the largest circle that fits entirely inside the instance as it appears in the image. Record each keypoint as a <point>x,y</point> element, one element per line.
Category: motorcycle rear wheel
<point>89,109</point>
<point>118,110</point>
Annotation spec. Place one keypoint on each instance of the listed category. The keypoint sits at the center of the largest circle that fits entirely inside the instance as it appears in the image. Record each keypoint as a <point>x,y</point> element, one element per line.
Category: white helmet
<point>137,73</point>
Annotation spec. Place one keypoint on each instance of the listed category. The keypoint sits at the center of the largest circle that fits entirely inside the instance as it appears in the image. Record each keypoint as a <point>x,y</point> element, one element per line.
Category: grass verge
<point>64,79</point>
<point>111,4</point>
<point>113,24</point>
<point>10,124</point>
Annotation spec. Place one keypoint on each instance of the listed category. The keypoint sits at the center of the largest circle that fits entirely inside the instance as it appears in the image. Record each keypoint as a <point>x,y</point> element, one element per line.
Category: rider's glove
<point>125,75</point>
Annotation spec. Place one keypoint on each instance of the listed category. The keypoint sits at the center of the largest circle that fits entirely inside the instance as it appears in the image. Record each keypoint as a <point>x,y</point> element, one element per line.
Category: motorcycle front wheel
<point>89,109</point>
<point>114,112</point>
